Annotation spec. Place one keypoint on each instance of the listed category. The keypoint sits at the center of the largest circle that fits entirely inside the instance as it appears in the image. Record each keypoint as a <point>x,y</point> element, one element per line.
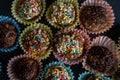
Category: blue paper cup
<point>69,71</point>
<point>6,19</point>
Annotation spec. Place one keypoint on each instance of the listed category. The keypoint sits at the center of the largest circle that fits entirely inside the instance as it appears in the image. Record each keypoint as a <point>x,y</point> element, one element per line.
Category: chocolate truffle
<point>26,69</point>
<point>70,45</point>
<point>63,13</point>
<point>92,17</point>
<point>8,35</point>
<point>99,58</point>
<point>36,41</point>
<point>57,73</point>
<point>96,16</point>
<point>29,9</point>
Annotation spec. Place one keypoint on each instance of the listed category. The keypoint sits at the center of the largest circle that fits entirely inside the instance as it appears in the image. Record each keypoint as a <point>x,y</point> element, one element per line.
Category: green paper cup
<point>28,11</point>
<point>36,40</point>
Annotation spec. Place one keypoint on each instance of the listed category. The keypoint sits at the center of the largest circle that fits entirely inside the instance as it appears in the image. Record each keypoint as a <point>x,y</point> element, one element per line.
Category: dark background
<point>5,10</point>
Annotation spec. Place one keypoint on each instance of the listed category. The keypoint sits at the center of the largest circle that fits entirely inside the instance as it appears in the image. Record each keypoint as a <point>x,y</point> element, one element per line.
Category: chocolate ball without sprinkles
<point>92,17</point>
<point>96,16</point>
<point>26,68</point>
<point>101,59</point>
<point>8,35</point>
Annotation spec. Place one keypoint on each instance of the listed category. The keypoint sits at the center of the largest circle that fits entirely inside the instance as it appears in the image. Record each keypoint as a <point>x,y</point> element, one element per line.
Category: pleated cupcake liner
<point>75,4</point>
<point>11,73</point>
<point>6,19</point>
<point>83,76</point>
<point>105,42</point>
<point>39,25</point>
<point>14,10</point>
<point>110,17</point>
<point>56,64</point>
<point>79,58</point>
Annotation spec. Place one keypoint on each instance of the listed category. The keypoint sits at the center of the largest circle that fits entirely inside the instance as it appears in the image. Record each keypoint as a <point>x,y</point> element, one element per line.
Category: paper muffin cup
<point>110,15</point>
<point>76,6</point>
<point>0,67</point>
<point>57,64</point>
<point>49,34</point>
<point>85,74</point>
<point>15,13</point>
<point>6,19</point>
<point>87,45</point>
<point>110,45</point>
<point>10,72</point>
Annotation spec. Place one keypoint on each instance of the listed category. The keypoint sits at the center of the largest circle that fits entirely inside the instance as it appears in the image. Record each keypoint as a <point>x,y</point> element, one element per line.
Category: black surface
<point>5,9</point>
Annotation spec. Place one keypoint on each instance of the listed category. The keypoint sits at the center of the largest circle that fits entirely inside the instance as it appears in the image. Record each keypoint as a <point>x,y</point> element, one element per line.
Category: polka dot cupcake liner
<point>6,19</point>
<point>31,28</point>
<point>15,11</point>
<point>57,64</point>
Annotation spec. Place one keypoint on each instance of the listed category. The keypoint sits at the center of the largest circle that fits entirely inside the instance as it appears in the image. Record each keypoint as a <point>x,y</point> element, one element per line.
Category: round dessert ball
<point>24,68</point>
<point>92,17</point>
<point>96,16</point>
<point>101,59</point>
<point>8,35</point>
<point>63,14</point>
<point>70,45</point>
<point>28,11</point>
<point>36,41</point>
<point>57,71</point>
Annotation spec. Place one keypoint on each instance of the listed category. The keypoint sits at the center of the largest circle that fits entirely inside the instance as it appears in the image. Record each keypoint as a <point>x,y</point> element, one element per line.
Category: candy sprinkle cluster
<point>28,9</point>
<point>36,41</point>
<point>57,73</point>
<point>63,14</point>
<point>70,44</point>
